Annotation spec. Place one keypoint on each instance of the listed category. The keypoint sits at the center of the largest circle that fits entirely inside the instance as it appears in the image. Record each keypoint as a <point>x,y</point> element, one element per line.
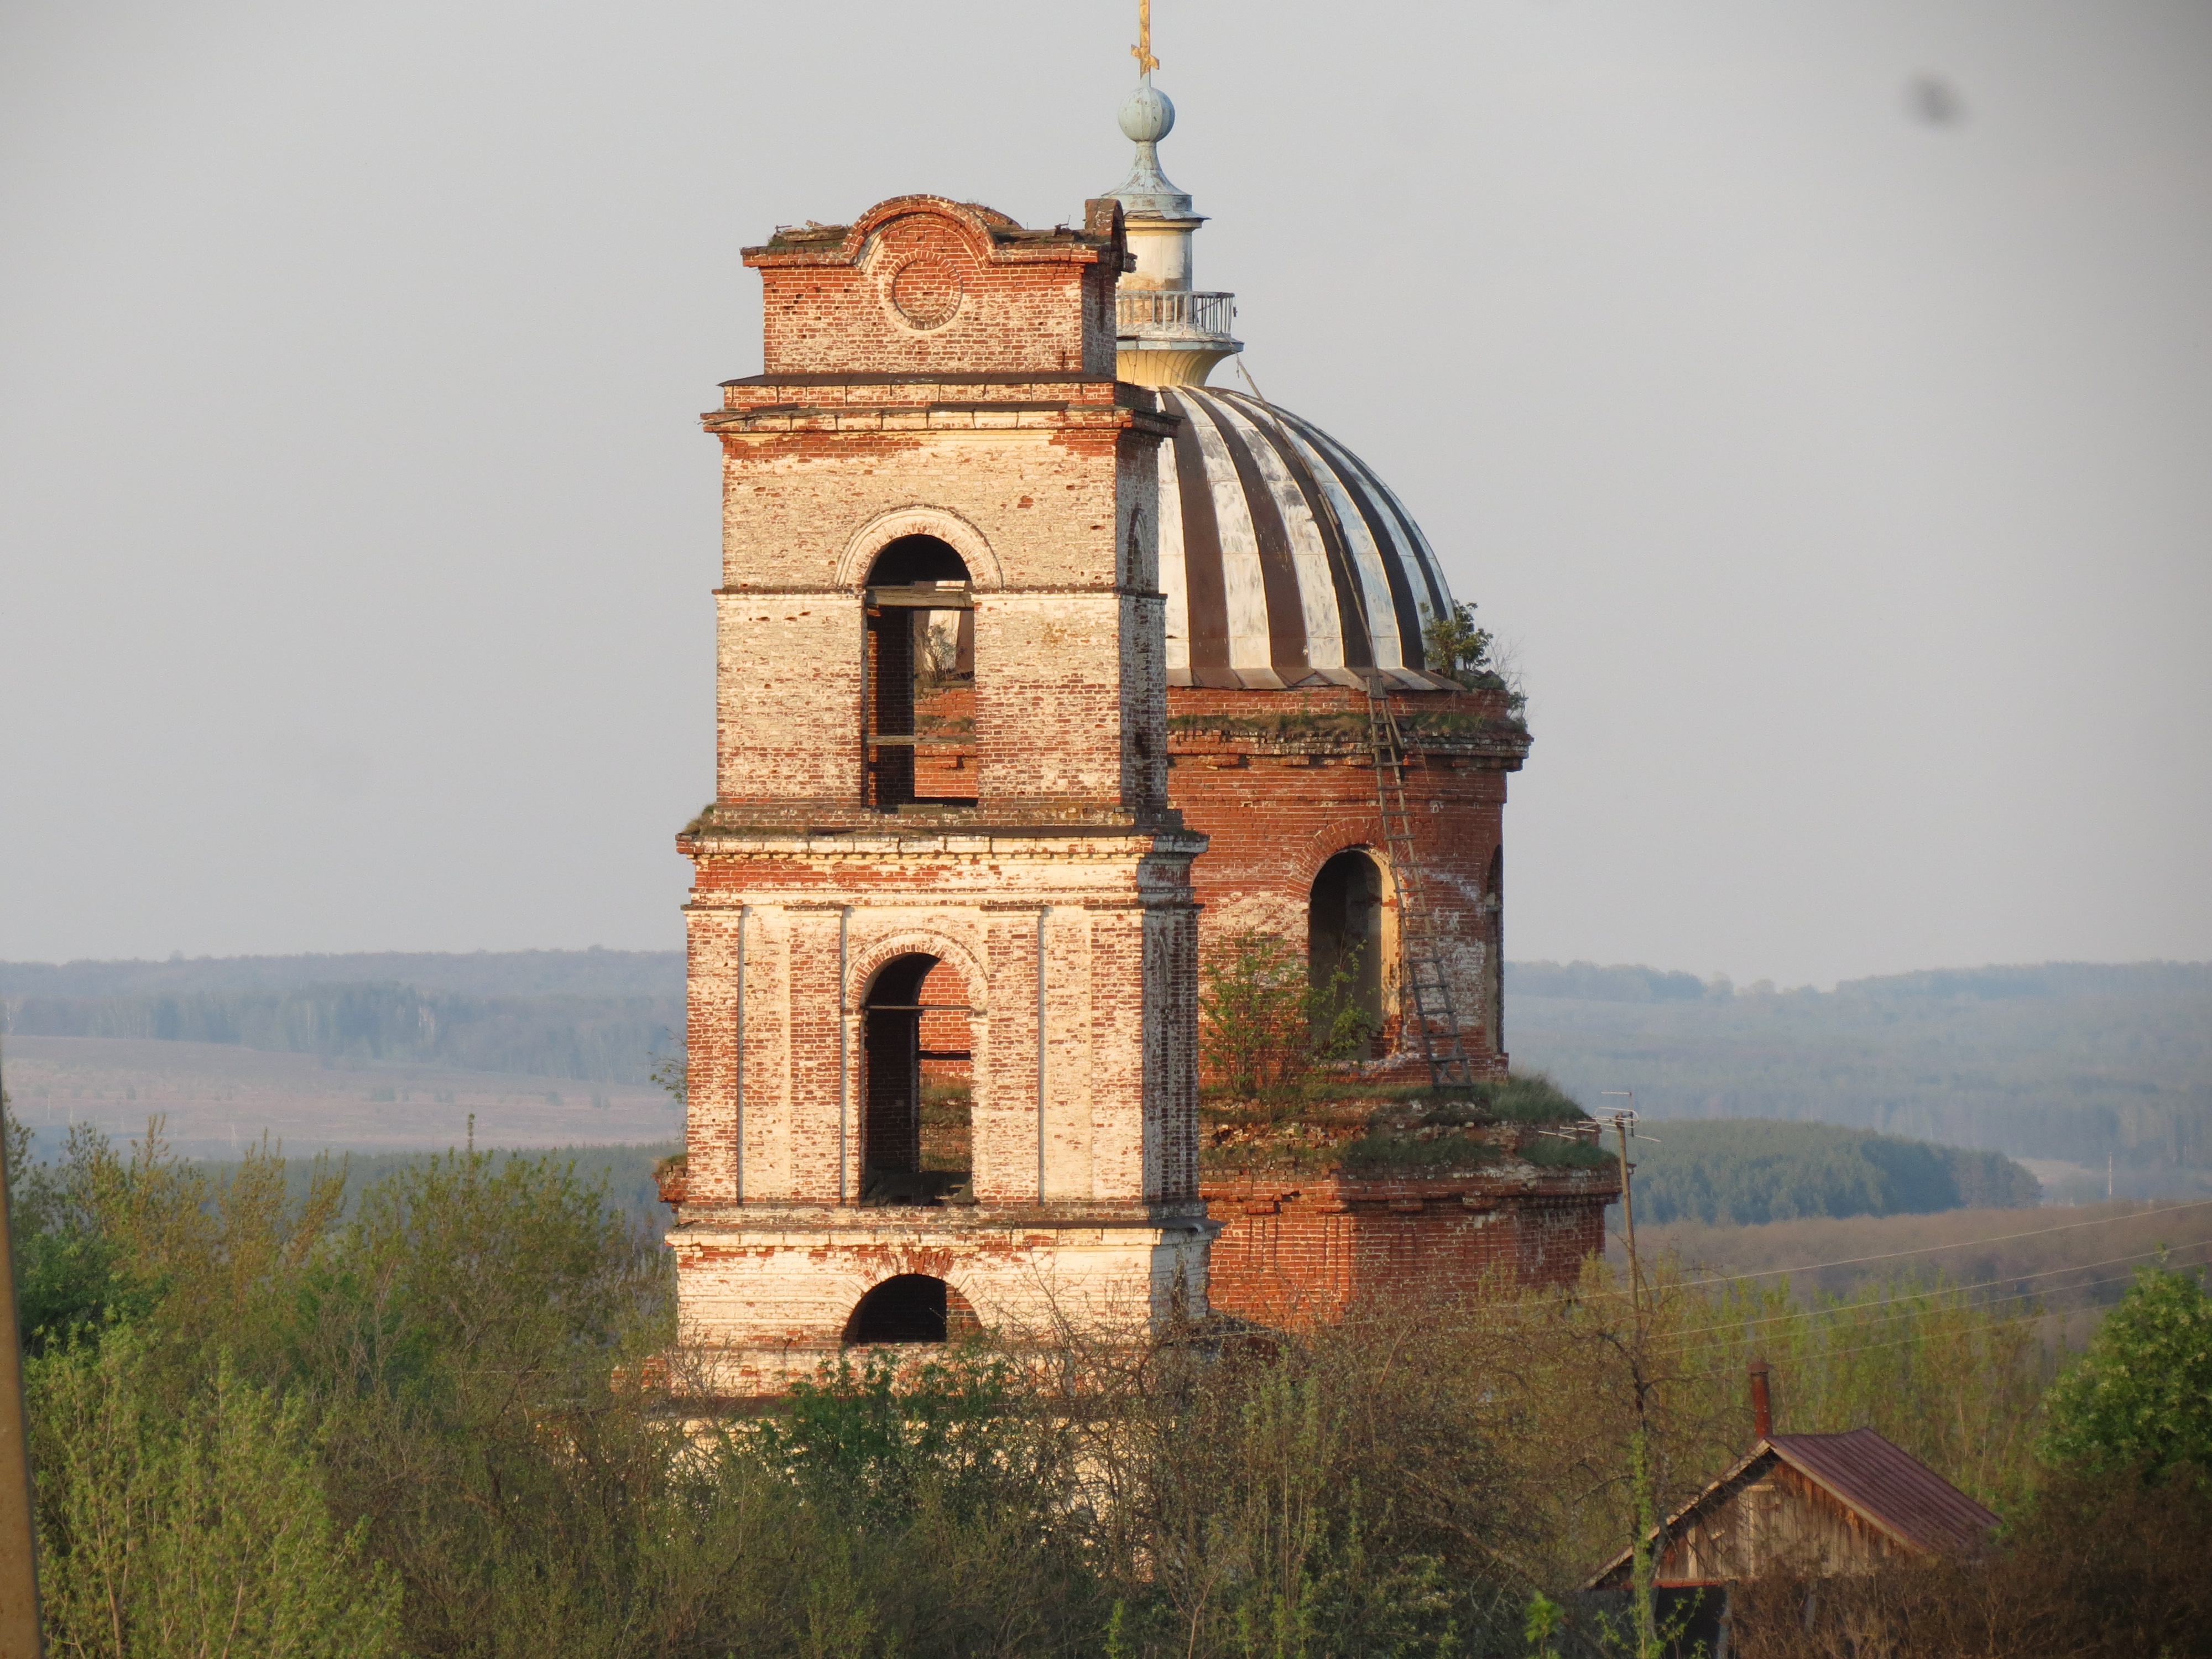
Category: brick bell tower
<point>942,938</point>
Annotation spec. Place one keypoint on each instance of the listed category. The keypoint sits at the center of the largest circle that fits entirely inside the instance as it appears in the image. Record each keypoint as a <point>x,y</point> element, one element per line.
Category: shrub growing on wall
<point>1264,1027</point>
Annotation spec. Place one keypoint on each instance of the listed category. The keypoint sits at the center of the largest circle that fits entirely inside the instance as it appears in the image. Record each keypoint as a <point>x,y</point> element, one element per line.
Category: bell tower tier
<point>943,979</point>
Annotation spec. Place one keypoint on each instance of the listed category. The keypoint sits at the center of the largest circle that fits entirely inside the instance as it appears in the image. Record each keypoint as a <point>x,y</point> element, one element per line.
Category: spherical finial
<point>1146,116</point>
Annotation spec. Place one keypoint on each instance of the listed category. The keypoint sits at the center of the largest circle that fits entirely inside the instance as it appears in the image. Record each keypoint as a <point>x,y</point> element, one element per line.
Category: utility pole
<point>1642,1477</point>
<point>21,1635</point>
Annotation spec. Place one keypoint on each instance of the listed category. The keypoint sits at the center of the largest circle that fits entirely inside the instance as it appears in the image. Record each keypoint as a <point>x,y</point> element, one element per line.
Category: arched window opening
<point>917,1136</point>
<point>911,1308</point>
<point>1344,939</point>
<point>919,697</point>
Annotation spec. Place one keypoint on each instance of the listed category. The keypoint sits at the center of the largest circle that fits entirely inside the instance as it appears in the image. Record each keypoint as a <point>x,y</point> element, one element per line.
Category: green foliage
<point>434,1419</point>
<point>875,1440</point>
<point>1395,1149</point>
<point>2142,1394</point>
<point>1345,1122</point>
<point>623,1173</point>
<point>673,1074</point>
<point>1265,1031</point>
<point>1453,645</point>
<point>1456,647</point>
<point>1530,1098</point>
<point>1552,1383</point>
<point>1548,1152</point>
<point>458,1348</point>
<point>1342,729</point>
<point>180,1528</point>
<point>69,1283</point>
<point>69,1278</point>
<point>1747,1171</point>
<point>104,1235</point>
<point>1333,1499</point>
<point>1524,1097</point>
<point>1546,1619</point>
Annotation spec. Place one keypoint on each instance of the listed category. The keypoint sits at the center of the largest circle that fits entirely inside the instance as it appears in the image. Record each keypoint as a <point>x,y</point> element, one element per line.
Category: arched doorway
<point>1344,938</point>
<point>920,704</point>
<point>911,1308</point>
<point>917,1134</point>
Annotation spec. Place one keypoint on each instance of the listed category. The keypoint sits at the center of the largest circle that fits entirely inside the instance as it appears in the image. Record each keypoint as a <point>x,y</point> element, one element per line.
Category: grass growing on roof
<point>1340,1121</point>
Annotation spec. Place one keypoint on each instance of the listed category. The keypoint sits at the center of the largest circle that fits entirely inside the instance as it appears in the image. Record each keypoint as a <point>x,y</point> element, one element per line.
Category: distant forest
<point>2067,1061</point>
<point>595,1016</point>
<point>1742,1173</point>
<point>2064,1062</point>
<point>502,973</point>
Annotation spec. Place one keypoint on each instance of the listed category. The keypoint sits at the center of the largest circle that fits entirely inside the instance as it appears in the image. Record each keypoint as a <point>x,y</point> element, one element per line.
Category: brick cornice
<point>1048,844</point>
<point>991,235</point>
<point>891,1223</point>
<point>779,420</point>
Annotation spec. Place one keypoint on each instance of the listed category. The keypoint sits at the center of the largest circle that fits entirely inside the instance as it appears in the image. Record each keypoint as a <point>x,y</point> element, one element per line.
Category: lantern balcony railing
<point>1172,313</point>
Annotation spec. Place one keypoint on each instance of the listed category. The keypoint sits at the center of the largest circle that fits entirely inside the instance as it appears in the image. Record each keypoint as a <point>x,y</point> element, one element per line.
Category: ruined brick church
<point>1043,666</point>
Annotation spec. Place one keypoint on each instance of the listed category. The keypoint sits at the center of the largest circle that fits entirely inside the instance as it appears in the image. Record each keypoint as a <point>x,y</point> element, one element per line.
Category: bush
<point>2142,1394</point>
<point>1454,645</point>
<point>439,1427</point>
<point>1265,1031</point>
<point>193,1528</point>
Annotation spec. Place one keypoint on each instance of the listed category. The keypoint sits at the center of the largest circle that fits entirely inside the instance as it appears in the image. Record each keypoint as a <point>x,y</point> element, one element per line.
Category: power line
<point>1925,1249</point>
<point>1943,1290</point>
<point>1995,1301</point>
<point>1902,1341</point>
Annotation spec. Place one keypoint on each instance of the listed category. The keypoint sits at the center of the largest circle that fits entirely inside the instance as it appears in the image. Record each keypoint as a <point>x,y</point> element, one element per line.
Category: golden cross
<point>1142,51</point>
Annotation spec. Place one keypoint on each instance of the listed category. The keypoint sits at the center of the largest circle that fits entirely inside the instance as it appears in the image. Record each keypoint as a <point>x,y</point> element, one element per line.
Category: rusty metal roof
<point>1890,1488</point>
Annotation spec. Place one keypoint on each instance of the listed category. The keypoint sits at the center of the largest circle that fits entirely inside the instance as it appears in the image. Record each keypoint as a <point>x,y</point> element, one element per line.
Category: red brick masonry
<point>1281,782</point>
<point>1296,1249</point>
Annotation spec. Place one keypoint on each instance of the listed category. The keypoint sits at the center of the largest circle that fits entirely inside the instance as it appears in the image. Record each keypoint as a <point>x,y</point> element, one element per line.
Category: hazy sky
<point>1819,392</point>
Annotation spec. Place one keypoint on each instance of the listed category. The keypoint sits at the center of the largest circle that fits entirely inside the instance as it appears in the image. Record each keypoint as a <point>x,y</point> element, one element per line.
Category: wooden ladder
<point>1428,999</point>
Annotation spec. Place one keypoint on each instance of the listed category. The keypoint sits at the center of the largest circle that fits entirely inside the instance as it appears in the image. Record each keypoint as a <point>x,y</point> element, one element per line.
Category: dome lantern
<point>1169,333</point>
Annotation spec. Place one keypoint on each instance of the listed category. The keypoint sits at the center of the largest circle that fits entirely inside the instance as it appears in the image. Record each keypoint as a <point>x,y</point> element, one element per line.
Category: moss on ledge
<point>1342,1124</point>
<point>1348,728</point>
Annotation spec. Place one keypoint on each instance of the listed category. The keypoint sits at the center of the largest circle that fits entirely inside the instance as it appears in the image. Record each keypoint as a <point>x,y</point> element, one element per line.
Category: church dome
<point>1286,560</point>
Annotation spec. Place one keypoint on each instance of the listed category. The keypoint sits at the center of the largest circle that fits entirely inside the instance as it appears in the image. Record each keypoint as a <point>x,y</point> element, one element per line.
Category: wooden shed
<point>1815,1505</point>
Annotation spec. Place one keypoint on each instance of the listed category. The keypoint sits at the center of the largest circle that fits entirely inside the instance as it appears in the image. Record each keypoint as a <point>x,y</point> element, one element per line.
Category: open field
<point>2074,1262</point>
<point>219,1097</point>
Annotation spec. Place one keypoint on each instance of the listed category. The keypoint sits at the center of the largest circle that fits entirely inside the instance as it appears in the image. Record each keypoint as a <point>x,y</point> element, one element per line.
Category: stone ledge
<point>837,1224</point>
<point>1470,1190</point>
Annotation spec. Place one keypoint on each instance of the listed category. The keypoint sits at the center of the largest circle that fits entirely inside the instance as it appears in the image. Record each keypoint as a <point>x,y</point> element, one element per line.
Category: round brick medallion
<point>926,291</point>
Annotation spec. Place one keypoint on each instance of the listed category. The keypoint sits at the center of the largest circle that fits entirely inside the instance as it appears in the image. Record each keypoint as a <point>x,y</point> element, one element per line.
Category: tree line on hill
<point>1744,1172</point>
<point>1591,982</point>
<point>2065,1061</point>
<point>592,1039</point>
<point>500,974</point>
<point>444,1419</point>
<point>595,1016</point>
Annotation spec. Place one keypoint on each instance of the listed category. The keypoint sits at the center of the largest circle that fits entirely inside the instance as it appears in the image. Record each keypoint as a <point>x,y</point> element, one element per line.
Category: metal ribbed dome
<point>1284,560</point>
